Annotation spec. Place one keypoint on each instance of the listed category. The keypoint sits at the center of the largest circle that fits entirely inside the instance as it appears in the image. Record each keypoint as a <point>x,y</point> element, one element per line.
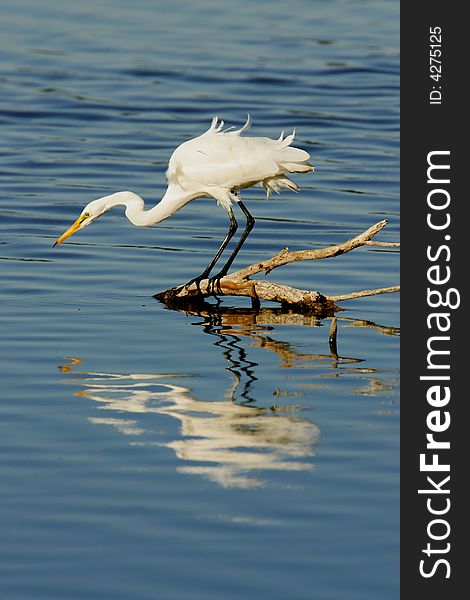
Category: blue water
<point>151,453</point>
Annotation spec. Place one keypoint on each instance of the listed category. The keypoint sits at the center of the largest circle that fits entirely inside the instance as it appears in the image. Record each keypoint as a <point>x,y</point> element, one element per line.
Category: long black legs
<point>230,233</point>
<point>214,281</point>
<point>250,222</point>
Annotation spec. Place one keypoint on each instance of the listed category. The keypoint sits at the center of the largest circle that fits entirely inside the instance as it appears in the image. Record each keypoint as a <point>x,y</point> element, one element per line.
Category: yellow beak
<point>72,229</point>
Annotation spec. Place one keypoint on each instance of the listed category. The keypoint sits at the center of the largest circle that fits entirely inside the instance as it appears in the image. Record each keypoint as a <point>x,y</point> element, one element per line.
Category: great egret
<point>217,164</point>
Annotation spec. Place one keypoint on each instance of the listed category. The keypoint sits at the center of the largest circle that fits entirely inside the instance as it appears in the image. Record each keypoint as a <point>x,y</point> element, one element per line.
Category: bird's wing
<point>225,160</point>
<point>222,160</point>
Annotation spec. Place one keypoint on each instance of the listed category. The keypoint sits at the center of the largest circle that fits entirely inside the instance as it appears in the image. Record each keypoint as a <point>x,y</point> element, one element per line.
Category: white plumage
<point>217,163</point>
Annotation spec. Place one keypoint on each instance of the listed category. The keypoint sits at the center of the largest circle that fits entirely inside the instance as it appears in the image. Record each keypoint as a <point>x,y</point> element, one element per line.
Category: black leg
<point>231,232</point>
<point>250,222</point>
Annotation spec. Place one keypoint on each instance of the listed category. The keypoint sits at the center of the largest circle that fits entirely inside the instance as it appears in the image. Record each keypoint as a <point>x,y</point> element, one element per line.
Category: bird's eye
<point>86,215</point>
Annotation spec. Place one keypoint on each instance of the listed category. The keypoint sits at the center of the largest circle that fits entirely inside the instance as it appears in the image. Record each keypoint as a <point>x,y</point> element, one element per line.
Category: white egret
<point>218,164</point>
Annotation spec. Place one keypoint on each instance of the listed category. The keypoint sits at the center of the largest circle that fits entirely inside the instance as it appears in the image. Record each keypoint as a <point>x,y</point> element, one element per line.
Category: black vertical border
<point>429,127</point>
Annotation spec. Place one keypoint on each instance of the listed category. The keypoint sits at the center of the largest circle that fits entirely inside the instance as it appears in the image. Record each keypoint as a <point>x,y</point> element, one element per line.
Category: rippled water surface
<point>224,453</point>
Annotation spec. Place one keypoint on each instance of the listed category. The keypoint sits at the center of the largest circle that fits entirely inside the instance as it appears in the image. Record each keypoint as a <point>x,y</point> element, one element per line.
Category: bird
<point>217,164</point>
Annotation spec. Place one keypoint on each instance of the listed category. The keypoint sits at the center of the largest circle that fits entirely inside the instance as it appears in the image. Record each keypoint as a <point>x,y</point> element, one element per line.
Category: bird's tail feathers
<point>297,167</point>
<point>292,160</point>
<point>277,183</point>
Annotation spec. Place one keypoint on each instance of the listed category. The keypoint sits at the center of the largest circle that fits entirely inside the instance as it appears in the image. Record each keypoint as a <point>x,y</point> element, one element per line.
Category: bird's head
<point>90,213</point>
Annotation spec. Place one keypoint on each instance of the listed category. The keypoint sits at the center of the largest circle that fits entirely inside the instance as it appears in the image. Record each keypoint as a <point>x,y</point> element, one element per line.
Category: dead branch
<point>383,244</point>
<point>363,293</point>
<point>285,257</point>
<point>240,284</point>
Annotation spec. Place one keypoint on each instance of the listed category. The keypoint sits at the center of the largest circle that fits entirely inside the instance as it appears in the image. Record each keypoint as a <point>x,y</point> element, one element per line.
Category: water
<point>150,453</point>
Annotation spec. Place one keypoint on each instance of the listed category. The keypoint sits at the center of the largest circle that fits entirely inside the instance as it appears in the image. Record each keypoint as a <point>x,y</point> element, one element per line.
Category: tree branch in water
<point>239,283</point>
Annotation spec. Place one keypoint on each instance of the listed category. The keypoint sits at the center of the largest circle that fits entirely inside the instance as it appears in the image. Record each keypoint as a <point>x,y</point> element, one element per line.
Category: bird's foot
<point>197,281</point>
<point>214,284</point>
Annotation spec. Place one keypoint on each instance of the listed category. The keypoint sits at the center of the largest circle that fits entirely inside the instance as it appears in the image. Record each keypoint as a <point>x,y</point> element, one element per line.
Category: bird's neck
<point>173,199</point>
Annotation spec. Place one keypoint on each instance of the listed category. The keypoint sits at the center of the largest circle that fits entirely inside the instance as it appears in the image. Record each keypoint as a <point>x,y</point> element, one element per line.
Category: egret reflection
<point>231,443</point>
<point>237,441</point>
